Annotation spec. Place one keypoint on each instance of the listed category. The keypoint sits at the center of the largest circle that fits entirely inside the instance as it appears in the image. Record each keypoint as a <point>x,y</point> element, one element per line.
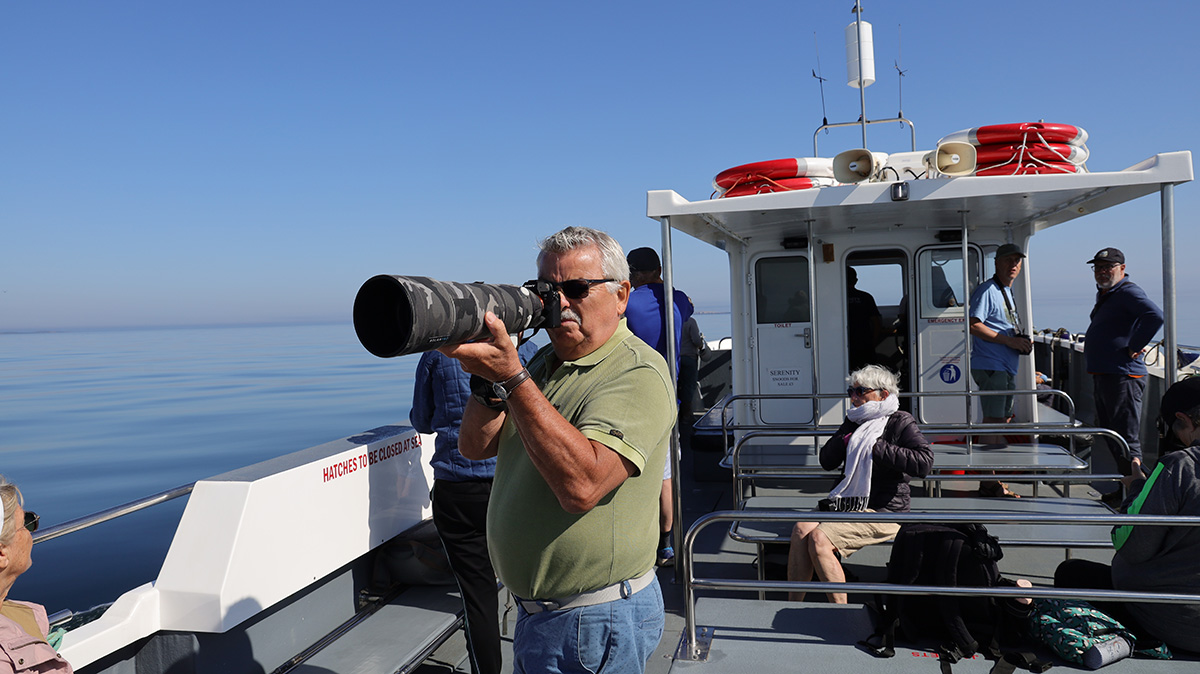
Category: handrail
<point>727,423</point>
<point>689,647</point>
<point>111,513</point>
<point>739,475</point>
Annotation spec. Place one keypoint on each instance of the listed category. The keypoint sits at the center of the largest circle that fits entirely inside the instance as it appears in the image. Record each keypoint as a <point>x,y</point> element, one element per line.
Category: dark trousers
<point>1119,408</point>
<point>460,514</point>
<point>1085,574</point>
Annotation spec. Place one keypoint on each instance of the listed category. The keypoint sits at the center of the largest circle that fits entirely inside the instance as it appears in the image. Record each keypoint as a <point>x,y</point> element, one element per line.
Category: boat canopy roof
<point>1038,201</point>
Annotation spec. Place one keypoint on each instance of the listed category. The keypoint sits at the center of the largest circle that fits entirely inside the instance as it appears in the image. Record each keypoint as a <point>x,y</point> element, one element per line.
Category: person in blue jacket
<point>645,314</point>
<point>461,489</point>
<point>1123,322</point>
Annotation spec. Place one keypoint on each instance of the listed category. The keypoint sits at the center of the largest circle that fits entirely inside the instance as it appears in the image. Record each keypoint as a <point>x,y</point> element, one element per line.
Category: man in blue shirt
<point>997,343</point>
<point>646,316</point>
<point>1124,321</point>
<point>461,489</point>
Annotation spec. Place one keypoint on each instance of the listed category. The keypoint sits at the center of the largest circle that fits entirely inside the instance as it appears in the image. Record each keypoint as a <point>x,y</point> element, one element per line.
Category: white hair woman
<point>880,449</point>
<point>23,626</point>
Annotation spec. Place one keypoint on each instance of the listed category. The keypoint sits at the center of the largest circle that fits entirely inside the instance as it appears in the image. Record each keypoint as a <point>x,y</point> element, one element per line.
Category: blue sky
<point>220,162</point>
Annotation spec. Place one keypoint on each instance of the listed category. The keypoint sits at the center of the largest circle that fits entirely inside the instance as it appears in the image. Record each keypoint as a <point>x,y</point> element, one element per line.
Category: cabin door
<point>783,337</point>
<point>941,340</point>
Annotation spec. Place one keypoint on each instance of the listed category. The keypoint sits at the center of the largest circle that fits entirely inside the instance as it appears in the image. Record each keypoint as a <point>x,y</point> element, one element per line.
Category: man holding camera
<point>1124,321</point>
<point>997,343</point>
<point>580,438</point>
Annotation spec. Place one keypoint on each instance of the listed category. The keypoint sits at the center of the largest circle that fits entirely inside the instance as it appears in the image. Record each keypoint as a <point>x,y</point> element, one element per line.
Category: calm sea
<point>90,420</point>
<point>93,419</point>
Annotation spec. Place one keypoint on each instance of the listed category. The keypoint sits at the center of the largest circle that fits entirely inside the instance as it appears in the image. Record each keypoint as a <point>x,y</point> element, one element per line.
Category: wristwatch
<point>504,389</point>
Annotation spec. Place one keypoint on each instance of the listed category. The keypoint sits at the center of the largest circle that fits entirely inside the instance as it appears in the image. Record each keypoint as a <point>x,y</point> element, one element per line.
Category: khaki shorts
<point>850,537</point>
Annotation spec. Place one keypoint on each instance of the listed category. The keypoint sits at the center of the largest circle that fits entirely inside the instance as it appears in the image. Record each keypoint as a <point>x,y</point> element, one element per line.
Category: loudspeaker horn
<point>855,166</point>
<point>952,159</point>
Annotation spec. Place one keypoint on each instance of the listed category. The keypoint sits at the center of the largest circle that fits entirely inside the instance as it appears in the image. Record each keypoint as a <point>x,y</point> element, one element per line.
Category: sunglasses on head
<point>859,391</point>
<point>31,521</point>
<point>578,288</point>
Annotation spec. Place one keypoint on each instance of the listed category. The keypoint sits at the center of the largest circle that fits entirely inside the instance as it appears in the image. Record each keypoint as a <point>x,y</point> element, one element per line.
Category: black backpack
<point>949,555</point>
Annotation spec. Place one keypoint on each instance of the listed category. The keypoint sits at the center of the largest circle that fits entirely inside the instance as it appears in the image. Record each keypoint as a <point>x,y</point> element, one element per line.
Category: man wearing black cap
<point>1124,321</point>
<point>646,316</point>
<point>1157,558</point>
<point>997,343</point>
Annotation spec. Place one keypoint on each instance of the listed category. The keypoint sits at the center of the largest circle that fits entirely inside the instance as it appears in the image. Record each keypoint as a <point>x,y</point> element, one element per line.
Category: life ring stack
<point>776,175</point>
<point>1026,148</point>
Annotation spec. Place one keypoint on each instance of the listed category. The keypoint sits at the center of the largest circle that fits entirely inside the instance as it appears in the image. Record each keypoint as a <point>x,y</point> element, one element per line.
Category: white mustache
<point>568,314</point>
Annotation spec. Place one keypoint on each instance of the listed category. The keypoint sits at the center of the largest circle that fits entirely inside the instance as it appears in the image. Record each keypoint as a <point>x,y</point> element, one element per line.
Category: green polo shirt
<point>620,396</point>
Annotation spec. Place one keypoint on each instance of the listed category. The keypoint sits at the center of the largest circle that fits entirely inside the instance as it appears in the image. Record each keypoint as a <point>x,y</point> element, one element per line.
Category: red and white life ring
<point>811,167</point>
<point>1029,168</point>
<point>1050,152</point>
<point>779,185</point>
<point>998,134</point>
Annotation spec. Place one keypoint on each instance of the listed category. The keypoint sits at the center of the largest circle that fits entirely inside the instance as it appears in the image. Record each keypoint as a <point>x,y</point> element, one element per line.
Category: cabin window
<point>941,284</point>
<point>781,290</point>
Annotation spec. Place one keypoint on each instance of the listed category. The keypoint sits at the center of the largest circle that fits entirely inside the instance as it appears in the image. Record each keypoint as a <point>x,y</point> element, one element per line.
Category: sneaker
<point>666,556</point>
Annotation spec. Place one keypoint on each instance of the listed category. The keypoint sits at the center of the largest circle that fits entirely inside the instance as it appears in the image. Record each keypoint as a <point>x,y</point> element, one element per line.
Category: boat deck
<point>755,635</point>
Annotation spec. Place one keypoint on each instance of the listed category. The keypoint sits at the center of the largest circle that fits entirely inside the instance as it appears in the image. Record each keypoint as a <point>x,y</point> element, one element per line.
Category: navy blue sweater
<point>1123,320</point>
<point>439,398</point>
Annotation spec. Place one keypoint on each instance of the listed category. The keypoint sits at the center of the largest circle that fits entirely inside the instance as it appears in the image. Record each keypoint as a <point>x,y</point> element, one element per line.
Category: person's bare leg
<point>799,560</point>
<point>825,562</point>
<point>666,507</point>
<point>994,487</point>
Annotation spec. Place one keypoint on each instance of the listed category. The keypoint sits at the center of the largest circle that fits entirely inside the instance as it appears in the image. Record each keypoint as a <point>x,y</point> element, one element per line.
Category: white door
<point>941,340</point>
<point>783,337</point>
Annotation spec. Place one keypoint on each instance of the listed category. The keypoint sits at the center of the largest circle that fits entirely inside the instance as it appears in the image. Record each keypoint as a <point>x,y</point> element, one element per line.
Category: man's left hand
<point>494,358</point>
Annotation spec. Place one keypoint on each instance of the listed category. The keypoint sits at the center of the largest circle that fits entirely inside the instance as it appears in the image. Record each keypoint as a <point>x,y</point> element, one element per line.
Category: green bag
<point>1078,632</point>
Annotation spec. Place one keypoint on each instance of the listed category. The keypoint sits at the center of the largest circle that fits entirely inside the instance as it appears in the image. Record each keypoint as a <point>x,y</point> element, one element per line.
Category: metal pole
<point>966,375</point>
<point>673,454</point>
<point>862,90</point>
<point>812,318</point>
<point>1168,271</point>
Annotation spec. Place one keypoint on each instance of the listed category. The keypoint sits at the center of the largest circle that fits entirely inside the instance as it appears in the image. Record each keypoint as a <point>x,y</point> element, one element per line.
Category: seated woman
<point>882,448</point>
<point>1161,558</point>
<point>23,626</point>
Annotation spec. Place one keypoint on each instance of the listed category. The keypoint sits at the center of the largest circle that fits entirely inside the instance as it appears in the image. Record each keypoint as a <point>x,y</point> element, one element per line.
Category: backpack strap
<point>950,553</point>
<point>885,629</point>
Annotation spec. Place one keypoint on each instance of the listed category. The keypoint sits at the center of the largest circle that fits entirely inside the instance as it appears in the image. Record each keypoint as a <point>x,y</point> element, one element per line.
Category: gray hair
<point>11,497</point>
<point>877,377</point>
<point>612,258</point>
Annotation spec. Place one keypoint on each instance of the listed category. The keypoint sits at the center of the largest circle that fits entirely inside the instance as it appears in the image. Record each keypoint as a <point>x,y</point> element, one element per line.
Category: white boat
<point>271,567</point>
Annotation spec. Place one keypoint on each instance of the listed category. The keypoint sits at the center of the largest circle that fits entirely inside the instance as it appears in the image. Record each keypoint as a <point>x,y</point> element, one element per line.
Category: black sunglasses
<point>859,391</point>
<point>31,521</point>
<point>578,288</point>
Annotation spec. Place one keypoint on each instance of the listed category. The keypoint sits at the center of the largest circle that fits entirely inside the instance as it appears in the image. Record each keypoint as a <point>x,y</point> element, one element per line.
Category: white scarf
<point>854,491</point>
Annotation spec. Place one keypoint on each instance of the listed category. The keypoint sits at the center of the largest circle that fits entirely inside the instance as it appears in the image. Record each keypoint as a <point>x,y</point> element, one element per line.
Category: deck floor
<point>775,635</point>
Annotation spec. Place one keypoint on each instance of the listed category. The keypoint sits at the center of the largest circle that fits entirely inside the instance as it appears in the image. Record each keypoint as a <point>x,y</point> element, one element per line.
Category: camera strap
<point>1013,317</point>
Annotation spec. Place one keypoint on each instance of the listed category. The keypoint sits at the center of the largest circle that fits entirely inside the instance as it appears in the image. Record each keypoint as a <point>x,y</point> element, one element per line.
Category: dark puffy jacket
<point>901,453</point>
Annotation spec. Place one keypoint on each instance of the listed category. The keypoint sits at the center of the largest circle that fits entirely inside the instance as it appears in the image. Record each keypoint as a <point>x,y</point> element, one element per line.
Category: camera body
<point>399,315</point>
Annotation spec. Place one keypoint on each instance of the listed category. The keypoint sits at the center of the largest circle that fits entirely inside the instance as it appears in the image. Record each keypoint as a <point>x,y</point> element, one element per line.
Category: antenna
<point>900,73</point>
<point>820,82</point>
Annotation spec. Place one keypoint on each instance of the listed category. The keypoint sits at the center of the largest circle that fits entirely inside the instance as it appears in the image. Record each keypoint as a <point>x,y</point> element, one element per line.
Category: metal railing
<point>741,475</point>
<point>729,423</point>
<point>111,513</point>
<point>689,648</point>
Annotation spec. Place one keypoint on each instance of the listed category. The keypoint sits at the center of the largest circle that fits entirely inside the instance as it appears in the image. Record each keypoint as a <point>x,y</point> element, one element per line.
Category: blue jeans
<point>619,636</point>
